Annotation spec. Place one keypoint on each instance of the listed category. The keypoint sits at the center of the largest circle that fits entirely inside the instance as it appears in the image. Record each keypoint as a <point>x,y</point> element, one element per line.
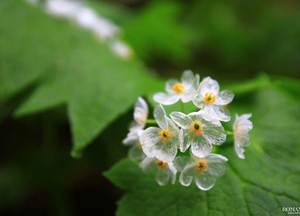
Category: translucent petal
<point>200,146</point>
<point>173,170</point>
<point>169,85</point>
<point>198,100</point>
<point>187,78</point>
<point>160,116</point>
<point>148,164</point>
<point>243,123</point>
<point>142,104</point>
<point>215,135</point>
<point>242,138</point>
<point>133,140</point>
<point>188,137</point>
<point>239,151</point>
<point>181,119</point>
<point>187,175</point>
<point>205,181</point>
<point>208,85</point>
<point>135,153</point>
<point>166,98</point>
<point>154,146</point>
<point>218,112</point>
<point>181,162</point>
<point>225,97</point>
<point>188,94</point>
<point>171,125</point>
<point>163,176</point>
<point>216,169</point>
<point>196,81</point>
<point>216,158</point>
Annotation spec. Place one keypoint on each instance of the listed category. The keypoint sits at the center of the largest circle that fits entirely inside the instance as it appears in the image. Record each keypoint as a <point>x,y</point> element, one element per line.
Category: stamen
<point>161,164</point>
<point>165,134</point>
<point>210,97</point>
<point>201,166</point>
<point>179,88</point>
<point>196,126</point>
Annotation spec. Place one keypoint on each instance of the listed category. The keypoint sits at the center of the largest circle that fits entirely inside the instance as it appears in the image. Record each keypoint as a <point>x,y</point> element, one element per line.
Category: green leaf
<point>78,71</point>
<point>267,180</point>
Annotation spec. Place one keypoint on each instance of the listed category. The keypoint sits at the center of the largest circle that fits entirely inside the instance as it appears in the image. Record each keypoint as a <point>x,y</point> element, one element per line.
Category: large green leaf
<point>267,180</point>
<point>71,67</point>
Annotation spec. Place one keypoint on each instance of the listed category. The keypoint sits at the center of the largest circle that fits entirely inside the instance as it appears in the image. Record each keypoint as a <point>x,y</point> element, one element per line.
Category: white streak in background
<point>33,2</point>
<point>121,49</point>
<point>104,29</point>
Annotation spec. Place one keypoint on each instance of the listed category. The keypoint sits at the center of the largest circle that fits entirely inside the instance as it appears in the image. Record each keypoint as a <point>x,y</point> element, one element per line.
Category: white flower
<point>140,112</point>
<point>209,99</point>
<point>135,153</point>
<point>184,90</point>
<point>204,170</point>
<point>162,142</point>
<point>241,127</point>
<point>163,170</point>
<point>200,131</point>
<point>136,129</point>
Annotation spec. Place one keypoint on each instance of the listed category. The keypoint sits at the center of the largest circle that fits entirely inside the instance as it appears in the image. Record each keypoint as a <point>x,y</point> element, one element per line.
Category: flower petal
<point>131,140</point>
<point>163,176</point>
<point>135,153</point>
<point>148,164</point>
<point>208,85</point>
<point>173,170</point>
<point>215,135</point>
<point>169,85</point>
<point>160,116</point>
<point>181,162</point>
<point>187,78</point>
<point>154,146</point>
<point>243,123</point>
<point>216,158</point>
<point>225,97</point>
<point>140,111</point>
<point>218,112</point>
<point>239,151</point>
<point>181,119</point>
<point>200,146</point>
<point>216,169</point>
<point>205,181</point>
<point>187,175</point>
<point>198,100</point>
<point>166,98</point>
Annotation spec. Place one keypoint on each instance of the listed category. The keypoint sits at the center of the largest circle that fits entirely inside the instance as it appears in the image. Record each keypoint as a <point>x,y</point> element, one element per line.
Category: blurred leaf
<point>157,31</point>
<point>97,85</point>
<point>267,180</point>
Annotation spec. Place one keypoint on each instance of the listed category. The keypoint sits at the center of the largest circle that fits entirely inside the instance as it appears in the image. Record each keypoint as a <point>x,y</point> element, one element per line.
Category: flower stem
<point>151,121</point>
<point>182,106</point>
<point>230,132</point>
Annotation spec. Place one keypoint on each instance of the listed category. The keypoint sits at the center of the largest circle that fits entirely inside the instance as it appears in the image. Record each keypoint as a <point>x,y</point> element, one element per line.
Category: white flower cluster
<point>157,147</point>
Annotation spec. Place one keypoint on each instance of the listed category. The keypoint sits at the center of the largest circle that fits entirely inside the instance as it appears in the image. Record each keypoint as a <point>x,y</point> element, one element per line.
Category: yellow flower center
<point>161,164</point>
<point>197,127</point>
<point>210,97</point>
<point>179,88</point>
<point>165,134</point>
<point>201,166</point>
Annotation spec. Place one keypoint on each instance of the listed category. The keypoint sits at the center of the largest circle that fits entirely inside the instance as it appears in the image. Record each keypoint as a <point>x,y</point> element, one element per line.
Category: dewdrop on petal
<point>164,170</point>
<point>204,170</point>
<point>184,90</point>
<point>241,127</point>
<point>209,99</point>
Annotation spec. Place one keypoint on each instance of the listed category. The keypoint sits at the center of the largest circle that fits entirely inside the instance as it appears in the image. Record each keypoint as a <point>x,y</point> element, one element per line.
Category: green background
<point>65,95</point>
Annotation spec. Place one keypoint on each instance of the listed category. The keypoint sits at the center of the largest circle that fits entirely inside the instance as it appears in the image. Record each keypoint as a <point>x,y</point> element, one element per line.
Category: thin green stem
<point>230,132</point>
<point>151,121</point>
<point>182,106</point>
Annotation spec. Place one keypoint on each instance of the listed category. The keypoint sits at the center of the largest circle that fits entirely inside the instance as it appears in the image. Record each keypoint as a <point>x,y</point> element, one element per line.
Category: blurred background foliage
<point>61,90</point>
